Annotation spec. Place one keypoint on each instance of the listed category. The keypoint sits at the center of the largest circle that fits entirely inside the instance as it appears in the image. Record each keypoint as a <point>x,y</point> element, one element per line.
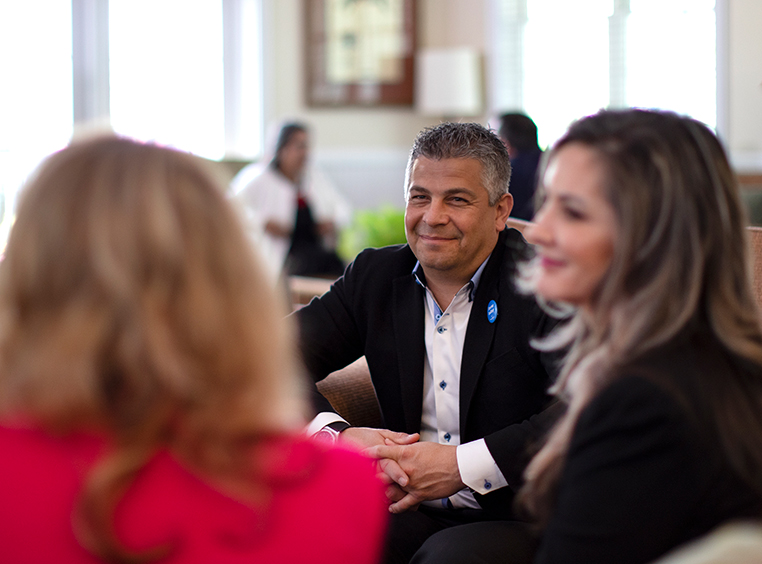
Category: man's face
<point>449,223</point>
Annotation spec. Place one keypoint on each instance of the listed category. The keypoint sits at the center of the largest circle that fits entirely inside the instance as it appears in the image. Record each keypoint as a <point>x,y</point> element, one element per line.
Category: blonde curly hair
<point>131,302</point>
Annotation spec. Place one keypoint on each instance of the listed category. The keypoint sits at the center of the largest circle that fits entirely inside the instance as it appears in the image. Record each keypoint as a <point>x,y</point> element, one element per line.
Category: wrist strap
<point>339,426</point>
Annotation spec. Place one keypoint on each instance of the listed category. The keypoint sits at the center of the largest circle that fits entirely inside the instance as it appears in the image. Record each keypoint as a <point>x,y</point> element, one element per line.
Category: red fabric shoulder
<point>325,505</point>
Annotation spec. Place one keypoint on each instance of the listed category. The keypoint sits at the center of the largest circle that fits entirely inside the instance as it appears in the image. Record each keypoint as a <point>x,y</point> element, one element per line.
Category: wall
<point>364,150</point>
<point>744,135</point>
<point>440,23</point>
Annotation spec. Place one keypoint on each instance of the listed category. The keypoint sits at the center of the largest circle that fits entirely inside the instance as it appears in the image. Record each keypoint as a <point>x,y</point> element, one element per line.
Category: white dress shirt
<point>445,334</point>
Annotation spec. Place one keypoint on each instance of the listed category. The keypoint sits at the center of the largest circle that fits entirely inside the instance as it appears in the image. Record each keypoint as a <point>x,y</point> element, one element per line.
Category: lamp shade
<point>448,82</point>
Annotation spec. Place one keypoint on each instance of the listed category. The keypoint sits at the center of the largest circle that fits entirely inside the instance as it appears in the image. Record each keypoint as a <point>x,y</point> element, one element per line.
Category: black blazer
<point>377,309</point>
<point>646,470</point>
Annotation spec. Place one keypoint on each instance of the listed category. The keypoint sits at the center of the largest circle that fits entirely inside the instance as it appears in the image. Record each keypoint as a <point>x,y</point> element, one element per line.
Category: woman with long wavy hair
<point>150,407</point>
<point>640,239</point>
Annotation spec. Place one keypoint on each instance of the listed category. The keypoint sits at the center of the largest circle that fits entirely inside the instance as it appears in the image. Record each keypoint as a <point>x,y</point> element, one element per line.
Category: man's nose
<point>436,213</point>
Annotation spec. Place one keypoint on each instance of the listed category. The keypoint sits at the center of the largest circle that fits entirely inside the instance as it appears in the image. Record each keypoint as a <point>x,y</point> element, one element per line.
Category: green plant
<point>372,228</point>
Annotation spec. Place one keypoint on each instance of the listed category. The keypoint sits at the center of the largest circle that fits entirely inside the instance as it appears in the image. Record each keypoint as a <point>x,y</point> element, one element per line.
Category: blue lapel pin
<point>491,311</point>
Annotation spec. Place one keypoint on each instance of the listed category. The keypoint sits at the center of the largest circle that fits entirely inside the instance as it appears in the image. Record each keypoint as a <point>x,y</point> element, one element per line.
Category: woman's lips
<point>547,262</point>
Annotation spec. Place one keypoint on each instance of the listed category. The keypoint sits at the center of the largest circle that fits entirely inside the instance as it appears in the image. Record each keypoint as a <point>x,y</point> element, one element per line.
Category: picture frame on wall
<point>359,52</point>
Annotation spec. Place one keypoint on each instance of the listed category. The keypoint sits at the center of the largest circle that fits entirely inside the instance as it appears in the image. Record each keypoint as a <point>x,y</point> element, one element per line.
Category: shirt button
<point>447,437</point>
<point>443,384</point>
<point>441,329</point>
<point>487,485</point>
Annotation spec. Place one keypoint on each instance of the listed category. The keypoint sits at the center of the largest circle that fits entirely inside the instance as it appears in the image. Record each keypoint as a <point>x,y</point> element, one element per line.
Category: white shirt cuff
<point>478,469</point>
<point>321,420</point>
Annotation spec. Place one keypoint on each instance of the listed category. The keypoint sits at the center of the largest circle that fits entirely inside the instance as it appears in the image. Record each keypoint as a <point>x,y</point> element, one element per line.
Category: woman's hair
<point>465,141</point>
<point>132,304</point>
<point>680,256</point>
<point>285,134</point>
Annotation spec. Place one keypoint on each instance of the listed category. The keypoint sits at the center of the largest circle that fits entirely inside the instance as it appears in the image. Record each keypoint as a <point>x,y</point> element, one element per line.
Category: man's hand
<point>425,470</point>
<point>366,437</point>
<point>387,469</point>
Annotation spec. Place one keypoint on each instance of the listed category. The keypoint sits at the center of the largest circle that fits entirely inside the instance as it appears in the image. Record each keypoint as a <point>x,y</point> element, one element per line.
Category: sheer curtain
<point>183,73</point>
<point>36,94</point>
<point>559,60</point>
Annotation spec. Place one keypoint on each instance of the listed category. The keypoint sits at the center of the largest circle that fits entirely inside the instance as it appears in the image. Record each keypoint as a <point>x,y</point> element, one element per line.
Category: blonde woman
<point>642,233</point>
<point>149,403</point>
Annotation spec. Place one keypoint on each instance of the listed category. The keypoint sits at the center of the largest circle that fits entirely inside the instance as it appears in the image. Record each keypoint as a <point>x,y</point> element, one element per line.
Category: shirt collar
<point>420,277</point>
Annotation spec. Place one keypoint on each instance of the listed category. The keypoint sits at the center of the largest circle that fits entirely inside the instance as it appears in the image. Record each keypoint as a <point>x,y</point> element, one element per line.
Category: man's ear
<point>503,210</point>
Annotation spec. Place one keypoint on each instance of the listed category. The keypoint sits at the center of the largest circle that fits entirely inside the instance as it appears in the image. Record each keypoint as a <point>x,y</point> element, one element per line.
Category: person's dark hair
<point>680,258</point>
<point>285,134</point>
<point>465,141</point>
<point>520,131</point>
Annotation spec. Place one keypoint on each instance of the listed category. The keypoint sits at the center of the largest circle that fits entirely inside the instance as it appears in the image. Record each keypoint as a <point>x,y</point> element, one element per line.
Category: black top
<point>377,309</point>
<point>645,470</point>
<point>307,256</point>
<point>523,183</point>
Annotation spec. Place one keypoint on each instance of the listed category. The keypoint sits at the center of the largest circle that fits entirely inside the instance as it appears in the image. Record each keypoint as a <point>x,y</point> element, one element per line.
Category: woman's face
<point>575,228</point>
<point>293,155</point>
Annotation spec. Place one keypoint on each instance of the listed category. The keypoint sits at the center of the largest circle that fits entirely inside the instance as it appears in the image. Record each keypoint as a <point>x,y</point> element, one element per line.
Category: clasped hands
<point>413,470</point>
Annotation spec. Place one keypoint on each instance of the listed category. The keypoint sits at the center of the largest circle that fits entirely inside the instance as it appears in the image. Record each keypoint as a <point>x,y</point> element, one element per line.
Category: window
<point>565,69</point>
<point>559,60</point>
<point>685,79</point>
<point>36,97</point>
<point>184,73</point>
<point>166,73</point>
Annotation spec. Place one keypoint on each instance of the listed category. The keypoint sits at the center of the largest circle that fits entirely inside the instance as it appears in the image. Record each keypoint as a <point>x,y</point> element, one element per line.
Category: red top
<point>327,506</point>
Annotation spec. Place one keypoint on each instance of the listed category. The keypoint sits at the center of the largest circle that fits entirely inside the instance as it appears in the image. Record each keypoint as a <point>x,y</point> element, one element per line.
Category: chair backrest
<point>734,543</point>
<point>351,393</point>
<point>755,244</point>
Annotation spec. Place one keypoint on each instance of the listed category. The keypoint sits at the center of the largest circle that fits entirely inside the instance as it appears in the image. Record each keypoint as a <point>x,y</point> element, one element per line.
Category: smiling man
<point>446,337</point>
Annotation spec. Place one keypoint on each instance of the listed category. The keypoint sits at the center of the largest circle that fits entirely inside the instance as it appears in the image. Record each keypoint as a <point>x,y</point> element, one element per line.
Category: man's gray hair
<point>465,141</point>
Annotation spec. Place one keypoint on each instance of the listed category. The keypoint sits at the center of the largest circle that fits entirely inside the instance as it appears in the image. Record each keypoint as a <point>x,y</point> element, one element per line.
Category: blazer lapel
<point>480,332</point>
<point>407,308</point>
